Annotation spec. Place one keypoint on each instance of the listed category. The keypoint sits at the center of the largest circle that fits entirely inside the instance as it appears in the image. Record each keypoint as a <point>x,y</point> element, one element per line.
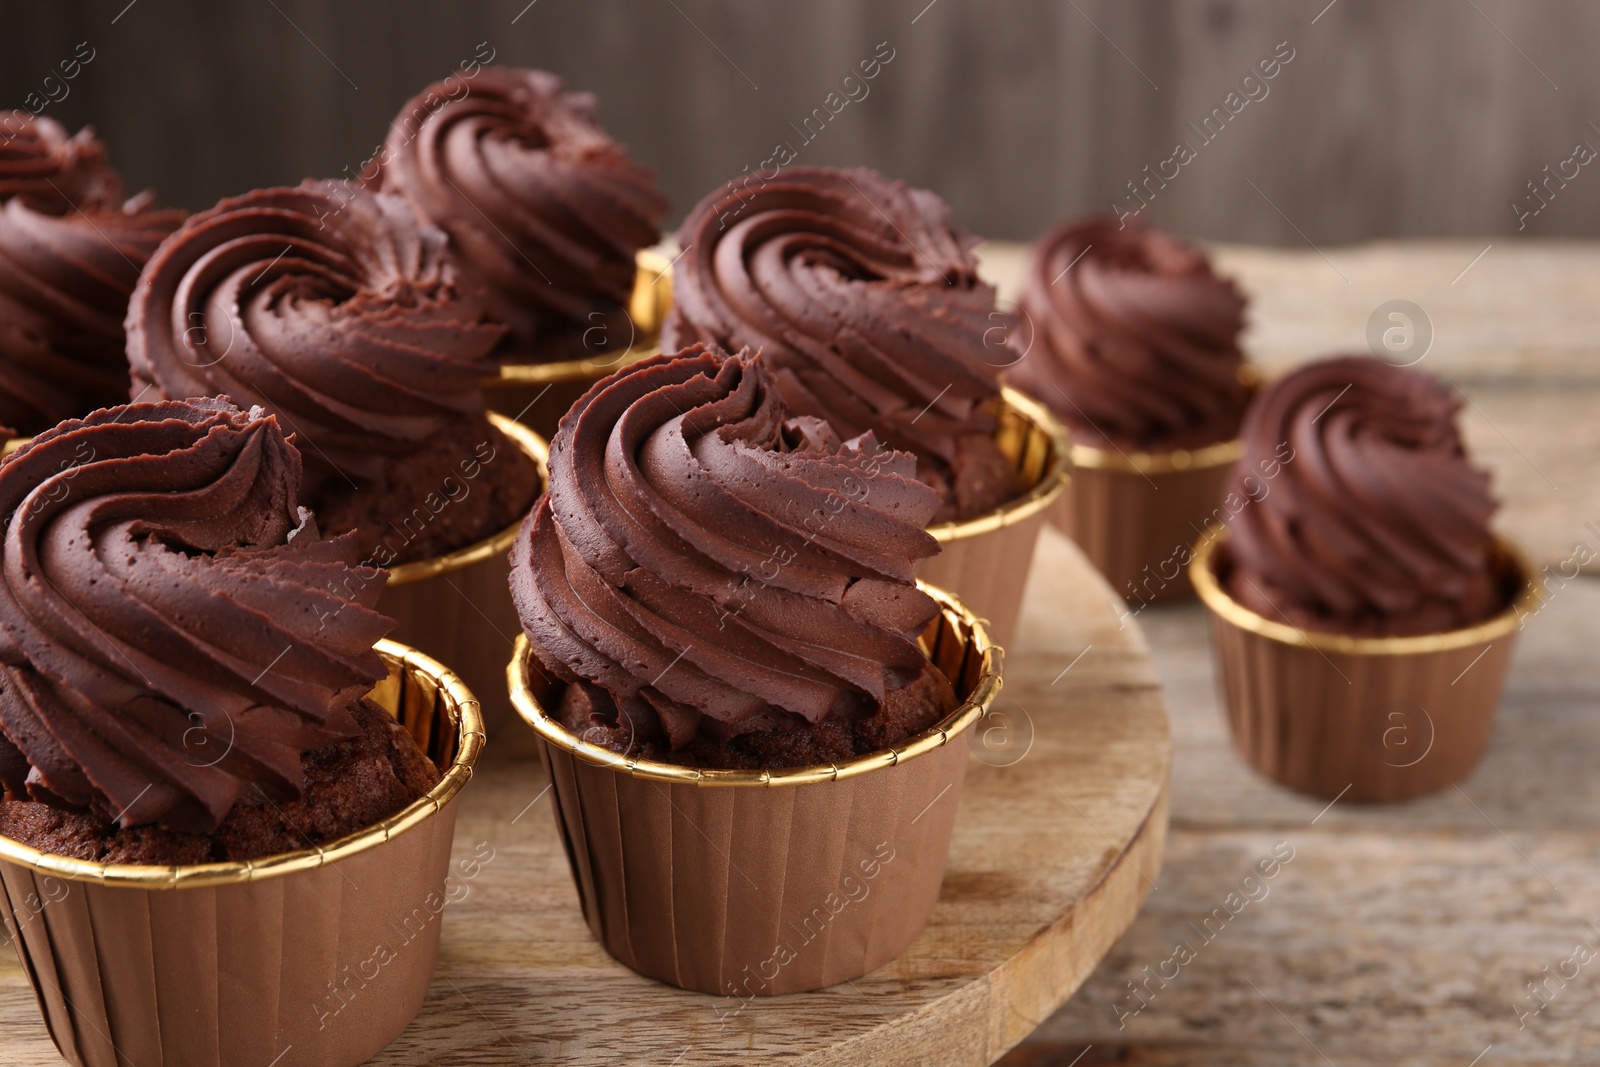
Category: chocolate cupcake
<point>1131,338</point>
<point>186,658</point>
<point>540,203</point>
<point>71,250</point>
<point>691,523</point>
<point>340,311</point>
<point>221,818</point>
<point>720,593</point>
<point>1363,610</point>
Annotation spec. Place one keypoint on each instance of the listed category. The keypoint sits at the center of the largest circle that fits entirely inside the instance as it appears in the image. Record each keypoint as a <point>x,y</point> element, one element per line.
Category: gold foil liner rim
<point>1044,492</point>
<point>647,308</point>
<point>1179,459</point>
<point>535,448</point>
<point>971,710</point>
<point>1210,590</point>
<point>461,706</point>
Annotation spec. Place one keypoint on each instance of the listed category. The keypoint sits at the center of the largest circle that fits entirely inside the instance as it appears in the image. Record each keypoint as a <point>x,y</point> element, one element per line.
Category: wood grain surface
<point>1058,841</point>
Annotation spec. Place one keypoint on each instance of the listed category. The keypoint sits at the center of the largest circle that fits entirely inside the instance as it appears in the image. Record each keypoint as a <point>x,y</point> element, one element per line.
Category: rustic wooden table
<point>1405,934</point>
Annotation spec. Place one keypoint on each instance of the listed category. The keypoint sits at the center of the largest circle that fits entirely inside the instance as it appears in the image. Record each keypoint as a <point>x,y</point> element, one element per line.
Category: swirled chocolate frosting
<point>172,630</point>
<point>1130,338</point>
<point>725,585</point>
<point>50,171</point>
<point>335,308</point>
<point>1359,510</point>
<point>340,311</point>
<point>538,200</point>
<point>867,308</point>
<point>70,253</point>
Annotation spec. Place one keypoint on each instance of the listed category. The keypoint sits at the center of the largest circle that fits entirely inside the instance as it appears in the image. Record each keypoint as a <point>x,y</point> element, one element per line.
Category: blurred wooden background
<point>1395,117</point>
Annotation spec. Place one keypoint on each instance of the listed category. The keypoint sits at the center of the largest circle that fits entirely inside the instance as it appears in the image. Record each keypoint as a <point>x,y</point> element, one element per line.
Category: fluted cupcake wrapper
<point>1374,719</point>
<point>1136,517</point>
<point>756,883</point>
<point>457,608</point>
<point>985,560</point>
<point>990,570</point>
<point>308,959</point>
<point>538,394</point>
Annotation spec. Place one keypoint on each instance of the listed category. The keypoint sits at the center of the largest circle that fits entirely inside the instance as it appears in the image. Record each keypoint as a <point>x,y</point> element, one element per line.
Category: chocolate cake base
<point>466,486</point>
<point>980,480</point>
<point>349,785</point>
<point>905,712</point>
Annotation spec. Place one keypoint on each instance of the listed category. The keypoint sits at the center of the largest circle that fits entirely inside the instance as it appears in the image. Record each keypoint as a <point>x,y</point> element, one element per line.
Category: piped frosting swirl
<point>868,309</point>
<point>539,201</point>
<point>706,567</point>
<point>1130,338</point>
<point>70,253</point>
<point>1376,523</point>
<point>51,171</point>
<point>172,630</point>
<point>335,308</point>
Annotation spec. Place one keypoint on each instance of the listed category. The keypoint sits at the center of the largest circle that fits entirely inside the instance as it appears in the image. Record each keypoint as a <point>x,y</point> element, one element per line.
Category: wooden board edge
<point>1027,989</point>
<point>977,1022</point>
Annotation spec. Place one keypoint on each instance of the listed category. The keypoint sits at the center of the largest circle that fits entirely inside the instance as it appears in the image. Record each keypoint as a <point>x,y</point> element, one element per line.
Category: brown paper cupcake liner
<point>457,608</point>
<point>538,394</point>
<point>317,958</point>
<point>1363,718</point>
<point>985,560</point>
<point>756,883</point>
<point>1136,516</point>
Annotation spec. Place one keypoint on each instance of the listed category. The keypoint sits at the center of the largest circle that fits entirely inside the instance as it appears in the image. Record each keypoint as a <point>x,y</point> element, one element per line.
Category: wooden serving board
<point>1057,844</point>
